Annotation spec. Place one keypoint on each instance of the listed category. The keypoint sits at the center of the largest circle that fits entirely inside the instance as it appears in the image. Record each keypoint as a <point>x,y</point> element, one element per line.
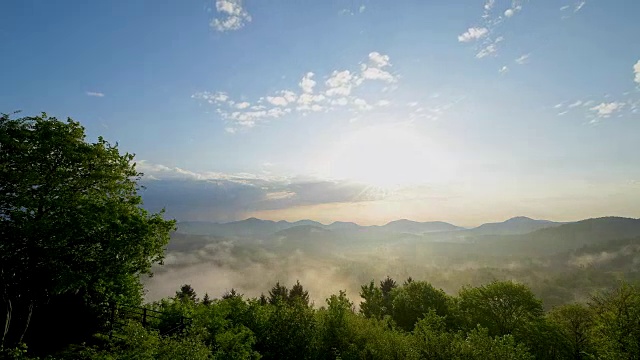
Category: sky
<point>353,110</point>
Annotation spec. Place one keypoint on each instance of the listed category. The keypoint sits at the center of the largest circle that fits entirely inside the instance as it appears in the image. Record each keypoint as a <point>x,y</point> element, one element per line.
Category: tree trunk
<point>26,325</point>
<point>7,321</point>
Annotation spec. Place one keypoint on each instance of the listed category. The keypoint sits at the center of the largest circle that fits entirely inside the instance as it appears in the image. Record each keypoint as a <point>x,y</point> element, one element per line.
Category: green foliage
<point>186,294</point>
<point>479,345</point>
<point>372,305</point>
<point>574,322</point>
<point>503,307</point>
<point>411,301</point>
<point>70,220</point>
<point>617,323</point>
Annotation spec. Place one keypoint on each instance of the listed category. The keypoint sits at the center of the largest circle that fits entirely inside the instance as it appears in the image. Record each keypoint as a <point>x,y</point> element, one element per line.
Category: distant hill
<point>513,226</point>
<point>565,237</point>
<point>253,227</point>
<point>414,227</point>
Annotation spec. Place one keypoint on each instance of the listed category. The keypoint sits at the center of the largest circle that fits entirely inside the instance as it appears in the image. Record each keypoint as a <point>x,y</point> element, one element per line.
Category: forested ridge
<point>76,243</point>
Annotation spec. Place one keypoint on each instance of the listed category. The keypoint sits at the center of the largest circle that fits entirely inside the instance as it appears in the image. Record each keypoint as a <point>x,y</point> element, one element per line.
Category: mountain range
<point>256,227</point>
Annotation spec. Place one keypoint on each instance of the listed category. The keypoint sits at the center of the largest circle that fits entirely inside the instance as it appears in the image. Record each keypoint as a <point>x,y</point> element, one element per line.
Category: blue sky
<point>463,111</point>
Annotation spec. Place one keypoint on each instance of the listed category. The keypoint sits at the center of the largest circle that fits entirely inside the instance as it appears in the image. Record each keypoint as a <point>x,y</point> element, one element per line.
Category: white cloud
<point>636,72</point>
<point>575,104</point>
<point>99,94</point>
<point>605,110</point>
<point>374,69</point>
<point>523,59</point>
<point>217,97</point>
<point>379,60</point>
<point>307,99</point>
<point>489,5</point>
<point>340,101</point>
<point>580,6</point>
<point>339,83</point>
<point>509,13</point>
<point>372,73</point>
<point>242,105</point>
<point>307,83</point>
<point>284,99</point>
<point>233,15</point>
<point>474,33</point>
<point>278,195</point>
<point>362,104</point>
<point>362,8</point>
<point>316,107</point>
<point>277,100</point>
<point>336,91</point>
<point>486,51</point>
<point>558,106</point>
<point>503,70</point>
<point>565,8</point>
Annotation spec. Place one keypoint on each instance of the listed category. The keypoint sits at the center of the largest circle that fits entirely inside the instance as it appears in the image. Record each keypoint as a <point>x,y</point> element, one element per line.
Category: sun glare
<point>387,156</point>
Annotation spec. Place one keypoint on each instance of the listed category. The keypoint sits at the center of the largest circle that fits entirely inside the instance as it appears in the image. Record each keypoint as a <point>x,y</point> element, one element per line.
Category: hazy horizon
<point>329,222</point>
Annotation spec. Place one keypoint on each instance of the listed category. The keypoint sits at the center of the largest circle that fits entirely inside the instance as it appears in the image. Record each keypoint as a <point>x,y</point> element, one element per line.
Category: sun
<point>386,156</point>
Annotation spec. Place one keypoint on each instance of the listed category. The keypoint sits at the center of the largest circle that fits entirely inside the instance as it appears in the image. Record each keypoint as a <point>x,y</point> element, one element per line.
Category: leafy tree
<point>298,294</point>
<point>617,323</point>
<point>386,287</point>
<point>431,338</point>
<point>335,321</point>
<point>479,345</point>
<point>186,293</point>
<point>70,221</point>
<point>575,322</point>
<point>372,305</point>
<point>278,293</point>
<point>231,294</point>
<point>503,307</point>
<point>206,301</point>
<point>413,300</point>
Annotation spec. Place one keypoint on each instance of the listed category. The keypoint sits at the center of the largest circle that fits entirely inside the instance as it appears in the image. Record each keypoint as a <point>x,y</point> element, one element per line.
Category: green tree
<point>413,300</point>
<point>617,323</point>
<point>503,307</point>
<point>575,322</point>
<point>298,294</point>
<point>372,305</point>
<point>186,293</point>
<point>278,293</point>
<point>71,220</point>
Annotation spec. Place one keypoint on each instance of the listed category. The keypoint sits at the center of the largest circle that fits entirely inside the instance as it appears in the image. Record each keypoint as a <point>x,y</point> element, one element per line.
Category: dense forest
<point>77,250</point>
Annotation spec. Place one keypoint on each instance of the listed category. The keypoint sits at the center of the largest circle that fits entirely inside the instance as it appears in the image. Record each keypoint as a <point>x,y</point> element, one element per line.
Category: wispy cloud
<point>579,6</point>
<point>636,72</point>
<point>337,92</point>
<point>503,70</point>
<point>95,94</point>
<point>523,59</point>
<point>489,5</point>
<point>605,110</point>
<point>486,51</point>
<point>488,35</point>
<point>231,15</point>
<point>575,104</point>
<point>473,33</point>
